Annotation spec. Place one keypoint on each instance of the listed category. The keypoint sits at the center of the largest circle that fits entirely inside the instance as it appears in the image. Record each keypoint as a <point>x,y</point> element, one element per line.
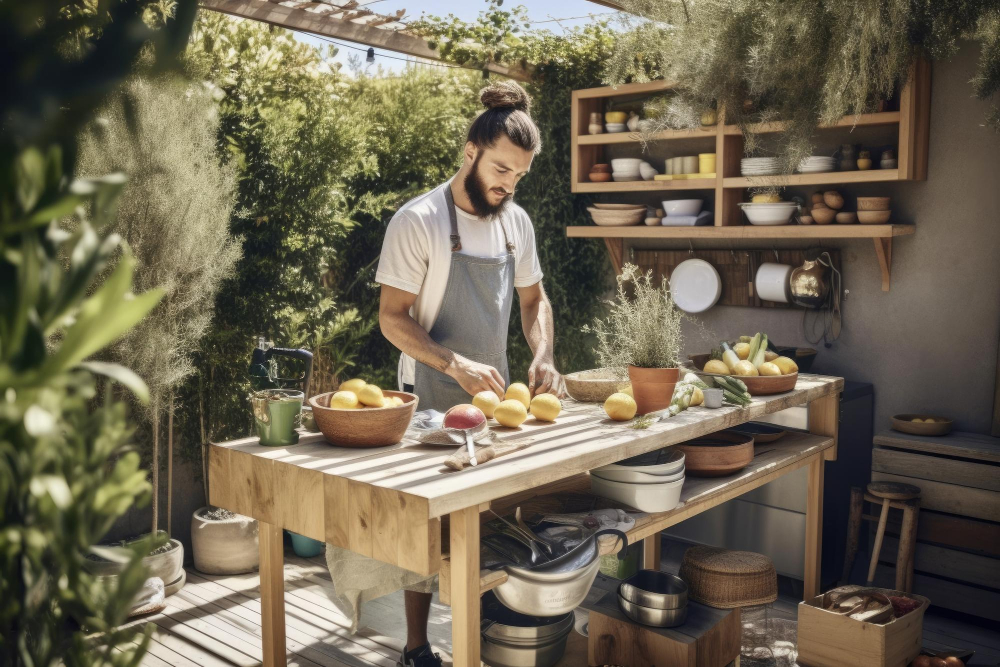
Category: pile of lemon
<point>356,394</point>
<point>516,404</point>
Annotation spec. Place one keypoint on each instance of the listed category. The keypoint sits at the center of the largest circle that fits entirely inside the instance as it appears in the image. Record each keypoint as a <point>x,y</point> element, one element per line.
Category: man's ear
<point>471,150</point>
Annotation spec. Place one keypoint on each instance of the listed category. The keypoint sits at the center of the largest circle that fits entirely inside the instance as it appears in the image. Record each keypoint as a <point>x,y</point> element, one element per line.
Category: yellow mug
<point>615,117</point>
<point>706,163</point>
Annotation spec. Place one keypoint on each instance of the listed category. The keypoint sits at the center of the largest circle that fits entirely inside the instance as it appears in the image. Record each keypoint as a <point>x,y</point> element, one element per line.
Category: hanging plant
<point>806,62</point>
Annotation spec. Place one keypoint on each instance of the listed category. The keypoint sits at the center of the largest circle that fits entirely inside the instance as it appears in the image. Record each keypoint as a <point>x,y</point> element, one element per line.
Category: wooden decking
<point>214,621</point>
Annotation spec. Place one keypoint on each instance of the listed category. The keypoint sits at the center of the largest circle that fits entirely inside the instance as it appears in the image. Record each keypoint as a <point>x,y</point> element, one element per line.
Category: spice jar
<point>864,160</point>
<point>596,126</point>
<point>847,157</point>
<point>888,159</point>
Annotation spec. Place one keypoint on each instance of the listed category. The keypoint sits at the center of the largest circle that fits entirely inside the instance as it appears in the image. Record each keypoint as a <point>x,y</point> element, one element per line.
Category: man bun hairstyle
<point>507,113</point>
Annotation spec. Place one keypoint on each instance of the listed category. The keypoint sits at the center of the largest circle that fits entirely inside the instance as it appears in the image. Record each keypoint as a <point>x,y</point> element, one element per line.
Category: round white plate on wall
<point>695,285</point>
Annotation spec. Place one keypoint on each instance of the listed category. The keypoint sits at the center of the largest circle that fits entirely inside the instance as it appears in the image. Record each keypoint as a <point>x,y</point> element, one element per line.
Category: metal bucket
<point>510,639</point>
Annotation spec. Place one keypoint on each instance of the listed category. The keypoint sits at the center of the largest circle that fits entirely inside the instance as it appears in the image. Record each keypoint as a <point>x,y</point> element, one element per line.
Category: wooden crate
<point>708,638</point>
<point>828,639</point>
<point>957,556</point>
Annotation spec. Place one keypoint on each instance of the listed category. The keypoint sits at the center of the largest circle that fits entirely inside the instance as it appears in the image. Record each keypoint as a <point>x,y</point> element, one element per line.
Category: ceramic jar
<point>596,126</point>
<point>809,284</point>
<point>888,159</point>
<point>847,158</point>
<point>864,160</point>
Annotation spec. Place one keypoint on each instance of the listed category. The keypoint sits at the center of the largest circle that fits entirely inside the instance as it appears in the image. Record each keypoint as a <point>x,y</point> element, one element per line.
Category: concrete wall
<point>929,344</point>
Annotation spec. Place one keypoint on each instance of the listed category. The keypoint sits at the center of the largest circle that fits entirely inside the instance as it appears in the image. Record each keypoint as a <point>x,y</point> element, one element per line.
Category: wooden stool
<point>905,497</point>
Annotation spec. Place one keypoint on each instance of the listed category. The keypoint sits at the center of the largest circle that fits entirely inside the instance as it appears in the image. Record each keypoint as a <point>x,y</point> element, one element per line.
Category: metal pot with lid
<point>558,586</point>
<point>510,639</point>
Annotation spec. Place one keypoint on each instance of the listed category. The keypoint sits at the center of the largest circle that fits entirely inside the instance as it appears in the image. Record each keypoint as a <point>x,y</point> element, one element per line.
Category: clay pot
<point>599,177</point>
<point>653,388</point>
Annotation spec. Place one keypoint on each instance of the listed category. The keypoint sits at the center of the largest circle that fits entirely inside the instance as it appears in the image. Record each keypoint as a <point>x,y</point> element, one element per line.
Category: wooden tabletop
<point>386,502</point>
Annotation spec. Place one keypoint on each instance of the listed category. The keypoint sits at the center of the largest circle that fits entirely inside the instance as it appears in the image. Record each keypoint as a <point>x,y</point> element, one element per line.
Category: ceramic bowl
<point>620,207</point>
<point>593,386</point>
<point>873,203</point>
<point>846,217</point>
<point>905,424</point>
<point>615,127</point>
<point>833,199</point>
<point>606,168</point>
<point>605,218</point>
<point>647,171</point>
<point>757,385</point>
<point>626,164</point>
<point>874,217</point>
<point>615,117</point>
<point>769,214</point>
<point>599,177</point>
<point>682,206</point>
<point>823,215</point>
<point>718,454</point>
<point>660,497</point>
<point>367,427</point>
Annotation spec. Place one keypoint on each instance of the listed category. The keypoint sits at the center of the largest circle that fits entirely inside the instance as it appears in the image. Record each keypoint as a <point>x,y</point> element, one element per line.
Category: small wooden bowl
<point>873,203</point>
<point>599,177</point>
<point>823,215</point>
<point>874,217</point>
<point>367,427</point>
<point>904,424</point>
<point>718,454</point>
<point>757,385</point>
<point>593,386</point>
<point>846,218</point>
<point>601,167</point>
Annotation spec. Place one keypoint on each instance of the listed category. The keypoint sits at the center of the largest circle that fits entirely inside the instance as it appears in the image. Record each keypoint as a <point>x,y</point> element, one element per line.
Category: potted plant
<point>641,338</point>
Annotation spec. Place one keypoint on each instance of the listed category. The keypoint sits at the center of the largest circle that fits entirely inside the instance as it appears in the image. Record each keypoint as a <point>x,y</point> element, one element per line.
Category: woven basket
<point>728,579</point>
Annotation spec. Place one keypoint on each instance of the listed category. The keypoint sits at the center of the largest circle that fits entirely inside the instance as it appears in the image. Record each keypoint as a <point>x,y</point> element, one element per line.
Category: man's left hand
<point>543,378</point>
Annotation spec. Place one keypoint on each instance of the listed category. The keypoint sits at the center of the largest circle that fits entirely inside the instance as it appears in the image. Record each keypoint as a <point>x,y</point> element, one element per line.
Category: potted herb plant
<point>641,338</point>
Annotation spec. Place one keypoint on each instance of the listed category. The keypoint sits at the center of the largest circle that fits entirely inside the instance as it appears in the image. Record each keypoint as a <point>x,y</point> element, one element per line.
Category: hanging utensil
<point>530,541</point>
<point>531,533</point>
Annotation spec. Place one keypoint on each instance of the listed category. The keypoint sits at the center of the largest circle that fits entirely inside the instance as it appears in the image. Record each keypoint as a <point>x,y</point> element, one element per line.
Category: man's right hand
<point>475,377</point>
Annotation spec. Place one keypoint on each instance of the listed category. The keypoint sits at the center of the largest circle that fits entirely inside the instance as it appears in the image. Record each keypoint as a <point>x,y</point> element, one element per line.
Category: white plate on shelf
<point>695,286</point>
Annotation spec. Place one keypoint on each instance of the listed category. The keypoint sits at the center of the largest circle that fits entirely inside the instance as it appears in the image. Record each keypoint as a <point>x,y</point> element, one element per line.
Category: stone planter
<point>224,546</point>
<point>168,565</point>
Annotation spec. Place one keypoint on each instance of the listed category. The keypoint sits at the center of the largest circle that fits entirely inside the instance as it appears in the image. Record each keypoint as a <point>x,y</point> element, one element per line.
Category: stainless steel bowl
<point>656,590</point>
<point>511,639</point>
<point>657,618</point>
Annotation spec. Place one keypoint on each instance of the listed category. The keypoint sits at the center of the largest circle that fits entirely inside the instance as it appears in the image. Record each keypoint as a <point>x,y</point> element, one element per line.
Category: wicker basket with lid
<point>728,579</point>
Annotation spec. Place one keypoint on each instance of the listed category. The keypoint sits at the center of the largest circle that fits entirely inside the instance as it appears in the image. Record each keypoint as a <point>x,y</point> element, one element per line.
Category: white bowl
<point>643,497</point>
<point>616,127</point>
<point>634,476</point>
<point>682,206</point>
<point>769,214</point>
<point>647,171</point>
<point>626,163</point>
<point>672,463</point>
<point>617,178</point>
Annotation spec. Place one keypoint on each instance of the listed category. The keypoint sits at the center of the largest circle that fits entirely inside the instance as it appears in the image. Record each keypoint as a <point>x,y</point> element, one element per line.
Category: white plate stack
<point>816,164</point>
<point>759,166</point>
<point>649,482</point>
<point>626,169</point>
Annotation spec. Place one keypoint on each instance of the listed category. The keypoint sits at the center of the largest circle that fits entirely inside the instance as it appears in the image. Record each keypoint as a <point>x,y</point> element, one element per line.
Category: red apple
<point>464,416</point>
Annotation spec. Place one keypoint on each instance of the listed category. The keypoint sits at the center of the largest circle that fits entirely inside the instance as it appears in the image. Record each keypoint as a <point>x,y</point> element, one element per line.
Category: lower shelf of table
<point>771,460</point>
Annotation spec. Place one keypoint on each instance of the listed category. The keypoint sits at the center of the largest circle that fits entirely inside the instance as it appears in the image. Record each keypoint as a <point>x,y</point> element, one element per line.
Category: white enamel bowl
<point>682,206</point>
<point>661,497</point>
<point>769,214</point>
<point>695,285</point>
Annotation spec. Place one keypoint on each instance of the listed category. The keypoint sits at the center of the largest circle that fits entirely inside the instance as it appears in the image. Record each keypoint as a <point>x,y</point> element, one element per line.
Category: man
<point>451,261</point>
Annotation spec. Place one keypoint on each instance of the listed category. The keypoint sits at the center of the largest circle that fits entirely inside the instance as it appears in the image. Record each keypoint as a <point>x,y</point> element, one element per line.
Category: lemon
<point>345,400</point>
<point>355,385</point>
<point>786,365</point>
<point>744,368</point>
<point>519,392</point>
<point>626,389</point>
<point>769,368</point>
<point>371,396</point>
<point>742,350</point>
<point>717,367</point>
<point>487,401</point>
<point>917,420</point>
<point>697,397</point>
<point>620,407</point>
<point>545,407</point>
<point>770,355</point>
<point>510,413</point>
<point>393,402</point>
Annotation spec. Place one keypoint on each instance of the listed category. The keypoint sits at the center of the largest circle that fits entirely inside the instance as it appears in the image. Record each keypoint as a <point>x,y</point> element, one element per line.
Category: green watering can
<point>277,401</point>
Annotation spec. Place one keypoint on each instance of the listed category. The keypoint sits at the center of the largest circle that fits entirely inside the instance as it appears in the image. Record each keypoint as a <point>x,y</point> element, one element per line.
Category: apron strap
<point>456,240</point>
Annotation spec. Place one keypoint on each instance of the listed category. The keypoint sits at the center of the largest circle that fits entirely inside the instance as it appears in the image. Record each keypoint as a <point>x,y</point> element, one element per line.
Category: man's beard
<point>477,191</point>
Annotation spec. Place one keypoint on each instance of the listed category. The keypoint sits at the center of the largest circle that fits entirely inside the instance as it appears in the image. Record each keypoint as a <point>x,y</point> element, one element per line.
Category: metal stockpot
<point>558,586</point>
<point>510,639</point>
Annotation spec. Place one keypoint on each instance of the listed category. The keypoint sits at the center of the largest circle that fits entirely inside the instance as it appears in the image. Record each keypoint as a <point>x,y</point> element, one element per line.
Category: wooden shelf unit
<point>912,122</point>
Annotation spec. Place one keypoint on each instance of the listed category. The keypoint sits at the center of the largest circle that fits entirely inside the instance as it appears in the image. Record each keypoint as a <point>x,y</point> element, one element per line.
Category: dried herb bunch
<point>808,62</point>
<point>643,327</point>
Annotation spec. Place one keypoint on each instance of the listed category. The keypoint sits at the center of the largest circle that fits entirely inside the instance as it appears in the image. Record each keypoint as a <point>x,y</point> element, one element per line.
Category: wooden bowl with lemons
<point>364,426</point>
<point>757,385</point>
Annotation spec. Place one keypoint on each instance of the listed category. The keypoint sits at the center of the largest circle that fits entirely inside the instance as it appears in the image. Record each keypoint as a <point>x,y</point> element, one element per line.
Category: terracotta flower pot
<point>653,388</point>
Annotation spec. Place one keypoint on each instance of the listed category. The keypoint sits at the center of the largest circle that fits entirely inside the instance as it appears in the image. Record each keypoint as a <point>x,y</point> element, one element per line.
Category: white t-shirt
<point>416,253</point>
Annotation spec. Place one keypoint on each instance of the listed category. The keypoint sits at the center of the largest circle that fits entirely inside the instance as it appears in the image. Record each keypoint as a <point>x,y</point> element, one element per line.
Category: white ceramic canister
<point>772,282</point>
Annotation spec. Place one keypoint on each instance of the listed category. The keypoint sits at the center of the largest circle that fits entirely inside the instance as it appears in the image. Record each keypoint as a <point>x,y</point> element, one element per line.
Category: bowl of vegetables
<point>762,371</point>
<point>915,424</point>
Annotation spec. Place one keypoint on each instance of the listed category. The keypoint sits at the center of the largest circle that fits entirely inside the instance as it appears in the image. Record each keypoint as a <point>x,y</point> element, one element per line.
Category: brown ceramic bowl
<point>367,427</point>
<point>605,168</point>
<point>599,177</point>
<point>718,454</point>
<point>874,217</point>
<point>905,424</point>
<point>846,217</point>
<point>873,203</point>
<point>757,385</point>
<point>823,215</point>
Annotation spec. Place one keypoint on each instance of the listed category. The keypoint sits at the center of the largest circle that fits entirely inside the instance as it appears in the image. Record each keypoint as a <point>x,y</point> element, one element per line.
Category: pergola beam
<point>323,24</point>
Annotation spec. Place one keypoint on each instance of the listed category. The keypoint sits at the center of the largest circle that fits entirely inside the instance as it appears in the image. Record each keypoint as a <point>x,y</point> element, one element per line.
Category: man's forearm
<point>414,341</point>
<point>539,328</point>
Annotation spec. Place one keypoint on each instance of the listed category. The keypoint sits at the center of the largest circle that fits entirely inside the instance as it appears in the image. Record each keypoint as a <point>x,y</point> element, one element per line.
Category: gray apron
<point>473,319</point>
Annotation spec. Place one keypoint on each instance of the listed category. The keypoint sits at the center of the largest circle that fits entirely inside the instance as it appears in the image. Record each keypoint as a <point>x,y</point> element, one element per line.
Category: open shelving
<point>912,123</point>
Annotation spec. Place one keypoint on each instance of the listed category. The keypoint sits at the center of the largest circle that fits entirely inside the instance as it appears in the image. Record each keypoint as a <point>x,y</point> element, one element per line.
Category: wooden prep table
<point>388,503</point>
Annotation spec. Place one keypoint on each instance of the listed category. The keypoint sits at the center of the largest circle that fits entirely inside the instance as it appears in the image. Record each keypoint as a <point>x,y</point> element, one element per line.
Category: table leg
<point>272,593</point>
<point>814,529</point>
<point>651,552</point>
<point>465,609</point>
